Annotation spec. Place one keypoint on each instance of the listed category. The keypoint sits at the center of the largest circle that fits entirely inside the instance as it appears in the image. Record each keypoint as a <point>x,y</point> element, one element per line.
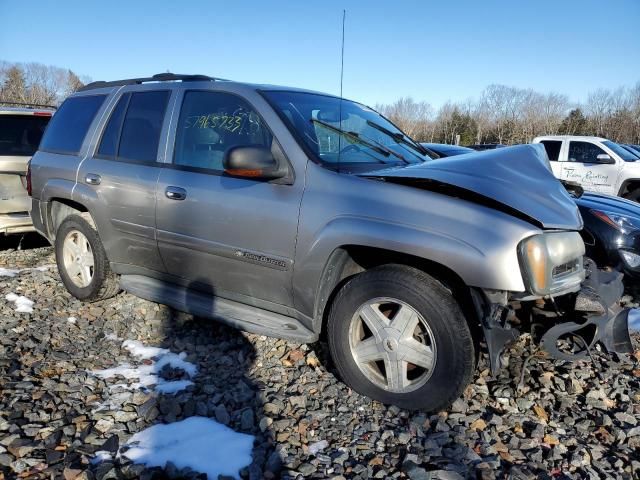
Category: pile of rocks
<point>564,421</point>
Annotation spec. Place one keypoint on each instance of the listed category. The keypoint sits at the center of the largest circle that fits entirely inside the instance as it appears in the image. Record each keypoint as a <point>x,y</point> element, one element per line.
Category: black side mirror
<point>253,161</point>
<point>605,158</point>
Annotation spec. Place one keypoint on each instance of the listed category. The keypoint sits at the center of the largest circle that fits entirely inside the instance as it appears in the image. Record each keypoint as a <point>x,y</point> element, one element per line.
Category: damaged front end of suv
<point>566,303</point>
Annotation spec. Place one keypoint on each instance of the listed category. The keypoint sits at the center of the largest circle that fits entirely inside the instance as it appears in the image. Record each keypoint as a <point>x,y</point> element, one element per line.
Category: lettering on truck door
<point>584,167</point>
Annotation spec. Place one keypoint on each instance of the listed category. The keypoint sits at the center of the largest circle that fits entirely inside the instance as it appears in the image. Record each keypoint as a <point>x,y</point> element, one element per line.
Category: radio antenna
<point>344,16</point>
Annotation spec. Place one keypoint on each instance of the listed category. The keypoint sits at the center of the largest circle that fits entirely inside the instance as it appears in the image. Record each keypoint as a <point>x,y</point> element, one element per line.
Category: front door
<point>583,167</point>
<point>234,236</point>
<point>122,174</point>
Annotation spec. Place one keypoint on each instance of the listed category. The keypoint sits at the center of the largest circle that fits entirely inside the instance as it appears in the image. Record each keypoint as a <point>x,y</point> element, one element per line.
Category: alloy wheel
<point>78,258</point>
<point>392,345</point>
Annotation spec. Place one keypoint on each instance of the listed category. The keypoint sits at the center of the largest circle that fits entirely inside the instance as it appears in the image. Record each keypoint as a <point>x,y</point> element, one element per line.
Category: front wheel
<point>82,261</point>
<point>398,336</point>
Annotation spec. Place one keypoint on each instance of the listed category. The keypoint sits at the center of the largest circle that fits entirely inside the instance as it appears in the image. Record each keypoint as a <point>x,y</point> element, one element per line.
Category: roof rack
<point>158,77</point>
<point>29,105</point>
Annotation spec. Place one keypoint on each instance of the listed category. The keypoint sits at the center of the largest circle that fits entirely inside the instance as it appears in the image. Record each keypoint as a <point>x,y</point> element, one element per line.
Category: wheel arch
<point>61,208</point>
<point>347,261</point>
<point>628,186</point>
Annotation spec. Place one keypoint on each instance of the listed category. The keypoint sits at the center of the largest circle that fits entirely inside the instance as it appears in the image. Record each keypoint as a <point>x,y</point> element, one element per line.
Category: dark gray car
<point>298,214</point>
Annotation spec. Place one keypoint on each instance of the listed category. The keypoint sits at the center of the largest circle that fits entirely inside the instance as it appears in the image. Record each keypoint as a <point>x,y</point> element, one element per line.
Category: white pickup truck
<point>597,164</point>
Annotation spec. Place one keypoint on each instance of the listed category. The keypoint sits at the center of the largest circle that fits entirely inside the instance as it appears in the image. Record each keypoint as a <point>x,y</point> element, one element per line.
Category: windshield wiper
<point>399,137</point>
<point>369,143</point>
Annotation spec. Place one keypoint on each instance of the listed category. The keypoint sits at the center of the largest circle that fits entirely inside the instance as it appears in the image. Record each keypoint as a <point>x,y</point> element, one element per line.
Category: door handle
<point>175,193</point>
<point>92,179</point>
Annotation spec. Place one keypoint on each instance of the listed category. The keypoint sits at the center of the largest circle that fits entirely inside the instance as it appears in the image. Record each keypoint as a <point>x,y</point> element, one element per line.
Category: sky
<point>430,51</point>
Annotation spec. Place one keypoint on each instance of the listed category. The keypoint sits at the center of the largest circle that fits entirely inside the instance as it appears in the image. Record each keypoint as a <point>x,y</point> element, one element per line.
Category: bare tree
<point>410,116</point>
<point>598,109</point>
<point>510,115</point>
<point>36,84</point>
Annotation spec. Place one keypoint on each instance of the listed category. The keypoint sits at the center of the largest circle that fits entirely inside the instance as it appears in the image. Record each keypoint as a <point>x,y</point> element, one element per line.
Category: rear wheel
<point>82,261</point>
<point>398,336</point>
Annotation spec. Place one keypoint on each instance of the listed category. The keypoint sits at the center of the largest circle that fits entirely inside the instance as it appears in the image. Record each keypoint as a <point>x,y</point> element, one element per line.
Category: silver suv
<point>21,129</point>
<point>301,215</point>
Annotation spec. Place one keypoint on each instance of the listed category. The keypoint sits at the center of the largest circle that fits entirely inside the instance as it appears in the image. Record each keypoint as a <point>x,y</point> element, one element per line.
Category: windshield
<point>363,137</point>
<point>20,134</point>
<point>621,152</point>
<point>631,148</point>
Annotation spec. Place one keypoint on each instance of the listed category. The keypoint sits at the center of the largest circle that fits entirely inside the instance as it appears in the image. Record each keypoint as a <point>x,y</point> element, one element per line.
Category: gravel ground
<point>564,421</point>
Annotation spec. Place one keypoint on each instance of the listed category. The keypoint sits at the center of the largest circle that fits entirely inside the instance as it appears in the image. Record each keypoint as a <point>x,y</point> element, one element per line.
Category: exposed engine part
<point>498,332</point>
<point>604,318</point>
<point>594,315</point>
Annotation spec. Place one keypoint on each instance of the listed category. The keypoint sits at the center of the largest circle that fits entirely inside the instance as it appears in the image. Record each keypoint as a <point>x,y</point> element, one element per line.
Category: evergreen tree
<point>14,87</point>
<point>575,124</point>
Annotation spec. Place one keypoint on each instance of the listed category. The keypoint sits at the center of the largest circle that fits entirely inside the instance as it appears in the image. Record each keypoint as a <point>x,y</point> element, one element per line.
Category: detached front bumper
<point>599,317</point>
<point>571,324</point>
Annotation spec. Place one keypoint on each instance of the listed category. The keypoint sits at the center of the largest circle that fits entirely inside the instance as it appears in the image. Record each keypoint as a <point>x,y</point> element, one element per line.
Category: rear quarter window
<point>20,134</point>
<point>70,124</point>
<point>140,133</point>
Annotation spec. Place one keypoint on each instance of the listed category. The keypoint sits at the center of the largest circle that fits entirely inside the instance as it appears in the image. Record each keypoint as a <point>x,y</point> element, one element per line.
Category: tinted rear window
<point>20,134</point>
<point>142,125</point>
<point>111,135</point>
<point>553,149</point>
<point>70,124</point>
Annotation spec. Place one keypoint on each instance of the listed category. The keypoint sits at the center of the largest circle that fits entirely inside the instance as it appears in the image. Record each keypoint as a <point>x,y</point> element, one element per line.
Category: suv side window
<point>111,135</point>
<point>70,124</point>
<point>584,152</point>
<point>133,131</point>
<point>210,124</point>
<point>553,149</point>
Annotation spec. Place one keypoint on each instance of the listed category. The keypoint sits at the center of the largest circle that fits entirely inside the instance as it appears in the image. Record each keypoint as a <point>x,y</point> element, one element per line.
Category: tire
<point>633,195</point>
<point>92,280</point>
<point>389,290</point>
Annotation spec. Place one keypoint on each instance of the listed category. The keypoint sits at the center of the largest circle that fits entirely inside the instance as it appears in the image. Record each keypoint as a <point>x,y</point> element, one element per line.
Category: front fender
<point>487,261</point>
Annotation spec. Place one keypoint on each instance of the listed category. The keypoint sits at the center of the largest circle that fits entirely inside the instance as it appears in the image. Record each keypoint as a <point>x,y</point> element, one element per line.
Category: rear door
<point>122,174</point>
<point>20,136</point>
<point>232,236</point>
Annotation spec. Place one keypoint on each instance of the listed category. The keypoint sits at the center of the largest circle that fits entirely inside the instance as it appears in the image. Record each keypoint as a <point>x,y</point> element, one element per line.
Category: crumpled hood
<point>518,178</point>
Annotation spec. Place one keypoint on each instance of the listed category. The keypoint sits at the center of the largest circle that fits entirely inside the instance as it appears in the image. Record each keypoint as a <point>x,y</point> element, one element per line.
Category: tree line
<point>511,115</point>
<point>501,114</point>
<point>37,84</point>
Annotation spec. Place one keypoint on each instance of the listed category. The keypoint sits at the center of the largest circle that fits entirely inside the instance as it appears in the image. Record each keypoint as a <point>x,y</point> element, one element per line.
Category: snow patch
<point>12,272</point>
<point>22,303</point>
<point>172,387</point>
<point>8,272</point>
<point>138,349</point>
<point>148,375</point>
<point>101,456</point>
<point>72,320</point>
<point>200,443</point>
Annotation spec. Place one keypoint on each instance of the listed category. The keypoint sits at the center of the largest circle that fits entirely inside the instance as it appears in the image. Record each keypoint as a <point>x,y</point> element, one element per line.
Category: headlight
<point>552,262</point>
<point>622,223</point>
<point>630,258</point>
